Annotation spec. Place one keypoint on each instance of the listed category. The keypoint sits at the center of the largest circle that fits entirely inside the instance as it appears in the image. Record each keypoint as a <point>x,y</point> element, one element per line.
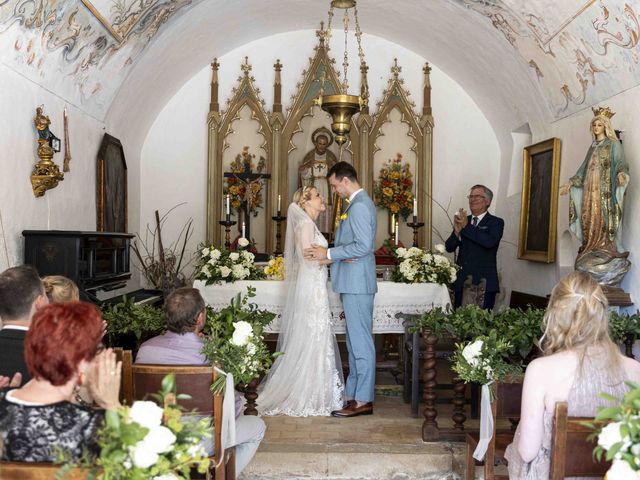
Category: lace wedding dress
<point>307,379</point>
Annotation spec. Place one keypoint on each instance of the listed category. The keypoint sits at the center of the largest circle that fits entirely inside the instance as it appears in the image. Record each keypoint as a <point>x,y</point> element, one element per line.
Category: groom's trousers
<point>358,310</point>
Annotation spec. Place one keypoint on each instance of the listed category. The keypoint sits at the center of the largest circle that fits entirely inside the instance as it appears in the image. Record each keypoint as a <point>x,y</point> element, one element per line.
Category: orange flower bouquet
<point>392,190</point>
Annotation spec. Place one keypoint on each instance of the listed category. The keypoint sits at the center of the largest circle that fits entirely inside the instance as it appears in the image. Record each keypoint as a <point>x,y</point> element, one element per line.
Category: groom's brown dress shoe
<point>353,410</point>
<point>349,403</point>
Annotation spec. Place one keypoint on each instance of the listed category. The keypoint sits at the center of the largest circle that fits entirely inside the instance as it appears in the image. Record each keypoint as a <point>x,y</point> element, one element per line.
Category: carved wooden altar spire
<point>426,103</point>
<point>277,88</point>
<point>214,106</point>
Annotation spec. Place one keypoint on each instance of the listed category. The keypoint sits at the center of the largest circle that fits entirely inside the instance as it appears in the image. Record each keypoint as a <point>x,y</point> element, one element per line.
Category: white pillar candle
<point>415,207</point>
<point>228,210</point>
<point>396,233</point>
<point>243,230</point>
<point>279,203</point>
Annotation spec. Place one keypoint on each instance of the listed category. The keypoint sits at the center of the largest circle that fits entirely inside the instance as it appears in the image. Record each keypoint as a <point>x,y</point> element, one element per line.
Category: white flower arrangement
<point>619,440</point>
<point>219,265</point>
<point>416,265</point>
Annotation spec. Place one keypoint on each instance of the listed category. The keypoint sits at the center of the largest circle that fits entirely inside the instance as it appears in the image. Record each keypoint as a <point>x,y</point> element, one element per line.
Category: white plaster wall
<point>173,157</point>
<point>69,206</point>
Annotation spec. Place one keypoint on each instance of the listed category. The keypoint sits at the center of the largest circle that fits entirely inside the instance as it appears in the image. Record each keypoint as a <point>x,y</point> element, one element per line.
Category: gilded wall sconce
<point>46,173</point>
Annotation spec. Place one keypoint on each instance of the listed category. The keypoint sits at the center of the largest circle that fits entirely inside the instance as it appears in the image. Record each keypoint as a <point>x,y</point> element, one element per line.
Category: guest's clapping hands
<point>12,382</point>
<point>103,380</point>
<point>460,220</point>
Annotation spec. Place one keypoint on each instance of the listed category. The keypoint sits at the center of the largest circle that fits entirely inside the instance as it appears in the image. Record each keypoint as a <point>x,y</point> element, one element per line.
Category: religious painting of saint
<point>313,172</point>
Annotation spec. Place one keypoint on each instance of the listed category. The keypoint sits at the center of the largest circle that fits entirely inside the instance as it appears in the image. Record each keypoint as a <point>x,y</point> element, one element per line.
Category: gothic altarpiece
<point>281,140</point>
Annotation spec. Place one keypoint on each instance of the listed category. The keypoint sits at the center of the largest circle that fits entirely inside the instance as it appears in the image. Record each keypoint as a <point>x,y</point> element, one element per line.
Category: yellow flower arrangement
<point>275,268</point>
<point>392,190</point>
<point>344,216</point>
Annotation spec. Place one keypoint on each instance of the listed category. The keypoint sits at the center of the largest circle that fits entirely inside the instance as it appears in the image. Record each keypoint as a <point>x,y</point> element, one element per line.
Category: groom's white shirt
<point>350,199</point>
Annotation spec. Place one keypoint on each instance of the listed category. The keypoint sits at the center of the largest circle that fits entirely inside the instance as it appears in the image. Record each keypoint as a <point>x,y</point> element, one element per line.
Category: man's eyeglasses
<point>475,196</point>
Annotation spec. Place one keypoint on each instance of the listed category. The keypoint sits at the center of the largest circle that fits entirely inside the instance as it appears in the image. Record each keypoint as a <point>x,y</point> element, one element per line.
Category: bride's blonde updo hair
<point>303,195</point>
<point>577,318</point>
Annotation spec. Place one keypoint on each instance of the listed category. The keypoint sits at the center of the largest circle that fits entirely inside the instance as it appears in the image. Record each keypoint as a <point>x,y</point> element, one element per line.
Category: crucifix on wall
<point>244,186</point>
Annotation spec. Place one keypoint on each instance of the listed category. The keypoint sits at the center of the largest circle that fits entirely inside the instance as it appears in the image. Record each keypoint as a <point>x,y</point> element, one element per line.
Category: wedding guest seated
<point>21,295</point>
<point>61,351</point>
<point>60,289</point>
<point>185,316</point>
<point>580,361</point>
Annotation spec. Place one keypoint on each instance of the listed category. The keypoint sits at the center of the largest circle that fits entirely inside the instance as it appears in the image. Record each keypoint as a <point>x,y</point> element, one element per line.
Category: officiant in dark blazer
<point>477,237</point>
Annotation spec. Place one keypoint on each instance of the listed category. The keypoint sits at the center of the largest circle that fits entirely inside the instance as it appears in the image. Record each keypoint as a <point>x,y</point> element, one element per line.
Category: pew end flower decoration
<point>234,339</point>
<point>145,441</point>
<point>275,269</point>
<point>619,439</point>
<point>416,265</point>
<point>484,360</point>
<point>217,265</point>
<point>393,189</point>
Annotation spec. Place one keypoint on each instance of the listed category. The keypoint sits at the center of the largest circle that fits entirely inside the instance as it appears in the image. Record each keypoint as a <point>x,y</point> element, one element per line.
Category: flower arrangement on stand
<point>145,441</point>
<point>216,265</point>
<point>393,189</point>
<point>275,269</point>
<point>619,440</point>
<point>240,190</point>
<point>234,339</point>
<point>416,265</point>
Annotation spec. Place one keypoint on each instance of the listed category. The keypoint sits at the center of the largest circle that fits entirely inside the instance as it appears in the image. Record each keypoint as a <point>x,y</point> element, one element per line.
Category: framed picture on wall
<point>539,213</point>
<point>111,188</point>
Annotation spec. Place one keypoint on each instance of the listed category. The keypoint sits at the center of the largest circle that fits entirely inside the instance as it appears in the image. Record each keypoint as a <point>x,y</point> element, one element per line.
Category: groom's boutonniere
<point>344,216</point>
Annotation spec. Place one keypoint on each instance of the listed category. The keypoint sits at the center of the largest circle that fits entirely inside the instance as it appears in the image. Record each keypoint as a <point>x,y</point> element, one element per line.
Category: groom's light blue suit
<point>355,281</point>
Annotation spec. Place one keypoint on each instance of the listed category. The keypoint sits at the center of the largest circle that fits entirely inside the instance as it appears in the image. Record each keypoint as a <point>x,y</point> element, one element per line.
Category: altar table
<point>393,302</point>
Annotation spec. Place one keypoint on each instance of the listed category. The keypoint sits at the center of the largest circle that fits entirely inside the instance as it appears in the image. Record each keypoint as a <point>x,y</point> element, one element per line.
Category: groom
<point>353,276</point>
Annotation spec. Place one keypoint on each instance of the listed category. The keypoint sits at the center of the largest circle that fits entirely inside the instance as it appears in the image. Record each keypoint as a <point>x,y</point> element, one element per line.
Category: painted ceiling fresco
<point>581,51</point>
<point>81,50</point>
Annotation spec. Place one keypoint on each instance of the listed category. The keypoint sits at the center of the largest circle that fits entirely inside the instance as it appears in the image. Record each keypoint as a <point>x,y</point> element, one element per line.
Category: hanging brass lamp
<point>343,106</point>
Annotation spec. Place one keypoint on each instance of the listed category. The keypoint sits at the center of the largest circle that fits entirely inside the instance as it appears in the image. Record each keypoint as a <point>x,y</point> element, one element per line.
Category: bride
<point>307,379</point>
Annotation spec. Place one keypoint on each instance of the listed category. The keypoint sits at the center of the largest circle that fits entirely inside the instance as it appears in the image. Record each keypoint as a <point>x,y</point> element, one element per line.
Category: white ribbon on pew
<point>228,411</point>
<point>486,423</point>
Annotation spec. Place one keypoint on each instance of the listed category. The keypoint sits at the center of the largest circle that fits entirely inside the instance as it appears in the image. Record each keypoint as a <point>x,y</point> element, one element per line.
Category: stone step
<point>362,461</point>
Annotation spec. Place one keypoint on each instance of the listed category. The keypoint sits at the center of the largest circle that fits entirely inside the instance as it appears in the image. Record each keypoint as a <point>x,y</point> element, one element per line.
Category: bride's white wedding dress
<point>307,379</point>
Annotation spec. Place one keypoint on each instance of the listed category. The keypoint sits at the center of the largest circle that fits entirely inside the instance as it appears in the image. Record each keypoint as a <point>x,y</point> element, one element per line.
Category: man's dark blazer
<point>12,353</point>
<point>477,250</point>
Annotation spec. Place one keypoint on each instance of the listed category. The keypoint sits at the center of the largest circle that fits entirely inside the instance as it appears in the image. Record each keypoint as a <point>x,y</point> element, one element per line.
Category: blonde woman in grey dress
<point>580,361</point>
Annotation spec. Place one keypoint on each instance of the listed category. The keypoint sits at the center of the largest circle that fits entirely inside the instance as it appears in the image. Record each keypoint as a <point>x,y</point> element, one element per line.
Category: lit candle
<point>65,113</point>
<point>396,233</point>
<point>243,230</point>
<point>393,224</point>
<point>228,210</point>
<point>279,204</point>
<point>415,208</point>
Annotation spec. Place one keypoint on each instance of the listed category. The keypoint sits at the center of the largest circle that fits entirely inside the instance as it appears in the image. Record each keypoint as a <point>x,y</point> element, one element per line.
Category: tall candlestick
<point>243,230</point>
<point>396,239</point>
<point>228,210</point>
<point>279,204</point>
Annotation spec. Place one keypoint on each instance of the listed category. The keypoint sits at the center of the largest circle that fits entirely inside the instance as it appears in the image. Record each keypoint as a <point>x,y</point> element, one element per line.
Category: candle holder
<point>227,224</point>
<point>278,219</point>
<point>416,226</point>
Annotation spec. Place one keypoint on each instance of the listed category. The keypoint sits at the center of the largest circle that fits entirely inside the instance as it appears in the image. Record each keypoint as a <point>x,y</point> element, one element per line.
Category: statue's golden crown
<point>603,111</point>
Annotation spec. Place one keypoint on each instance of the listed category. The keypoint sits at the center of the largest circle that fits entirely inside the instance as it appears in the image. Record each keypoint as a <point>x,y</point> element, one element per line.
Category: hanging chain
<point>345,62</point>
<point>358,35</point>
<point>329,23</point>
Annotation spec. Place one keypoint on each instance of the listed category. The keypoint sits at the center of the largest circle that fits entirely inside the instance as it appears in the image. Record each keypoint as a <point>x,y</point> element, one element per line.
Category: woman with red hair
<point>61,350</point>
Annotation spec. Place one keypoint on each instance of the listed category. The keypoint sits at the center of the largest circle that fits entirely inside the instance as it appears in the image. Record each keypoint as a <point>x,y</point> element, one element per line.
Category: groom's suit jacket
<point>477,251</point>
<point>355,240</point>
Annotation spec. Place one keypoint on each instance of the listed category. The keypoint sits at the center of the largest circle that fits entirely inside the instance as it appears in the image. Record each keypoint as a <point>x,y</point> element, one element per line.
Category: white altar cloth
<point>392,299</point>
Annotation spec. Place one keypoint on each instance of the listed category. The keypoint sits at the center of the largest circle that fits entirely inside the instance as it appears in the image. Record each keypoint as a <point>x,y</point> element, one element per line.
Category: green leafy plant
<point>624,327</point>
<point>619,440</point>
<point>234,339</point>
<point>523,328</point>
<point>145,441</point>
<point>484,360</point>
<point>127,318</point>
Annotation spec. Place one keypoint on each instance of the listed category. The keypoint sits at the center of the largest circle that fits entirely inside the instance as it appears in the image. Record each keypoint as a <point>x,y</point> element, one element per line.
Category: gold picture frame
<point>539,213</point>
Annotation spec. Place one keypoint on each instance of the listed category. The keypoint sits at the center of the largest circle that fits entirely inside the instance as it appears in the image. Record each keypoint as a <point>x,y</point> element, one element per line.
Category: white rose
<point>243,242</point>
<point>621,470</point>
<point>212,261</point>
<point>248,256</point>
<point>205,252</point>
<point>272,262</point>
<point>242,332</point>
<point>401,252</point>
<point>147,414</point>
<point>415,252</point>
<point>142,455</point>
<point>609,435</point>
<point>234,256</point>
<point>160,439</point>
<point>238,271</point>
<point>225,271</point>
<point>440,248</point>
<point>215,254</point>
<point>472,351</point>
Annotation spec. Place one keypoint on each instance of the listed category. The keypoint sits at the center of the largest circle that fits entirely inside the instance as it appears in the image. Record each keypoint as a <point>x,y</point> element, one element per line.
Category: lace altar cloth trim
<point>392,302</point>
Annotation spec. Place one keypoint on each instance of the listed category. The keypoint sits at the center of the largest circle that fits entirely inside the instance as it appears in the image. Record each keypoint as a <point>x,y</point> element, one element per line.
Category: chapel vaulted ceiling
<point>578,52</point>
